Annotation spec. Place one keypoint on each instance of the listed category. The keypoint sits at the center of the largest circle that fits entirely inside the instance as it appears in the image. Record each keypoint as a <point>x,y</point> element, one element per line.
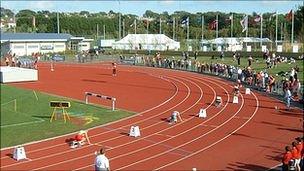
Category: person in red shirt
<point>114,68</point>
<point>287,157</point>
<point>296,155</point>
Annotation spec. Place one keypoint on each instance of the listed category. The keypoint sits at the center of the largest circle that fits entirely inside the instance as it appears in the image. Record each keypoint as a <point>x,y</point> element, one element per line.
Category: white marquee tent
<point>159,42</point>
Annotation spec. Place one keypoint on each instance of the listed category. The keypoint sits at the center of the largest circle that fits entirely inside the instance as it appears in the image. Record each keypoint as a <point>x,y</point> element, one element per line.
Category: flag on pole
<point>185,22</point>
<point>146,23</point>
<point>244,23</point>
<point>212,25</point>
<point>257,18</point>
<point>289,16</point>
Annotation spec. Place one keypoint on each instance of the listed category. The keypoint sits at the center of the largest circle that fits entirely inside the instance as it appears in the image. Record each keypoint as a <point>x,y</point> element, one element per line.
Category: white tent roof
<point>235,40</point>
<point>146,39</point>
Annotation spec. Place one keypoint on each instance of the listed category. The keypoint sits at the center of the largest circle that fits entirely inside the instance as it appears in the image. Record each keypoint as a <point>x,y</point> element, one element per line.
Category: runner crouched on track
<point>80,139</point>
<point>173,118</point>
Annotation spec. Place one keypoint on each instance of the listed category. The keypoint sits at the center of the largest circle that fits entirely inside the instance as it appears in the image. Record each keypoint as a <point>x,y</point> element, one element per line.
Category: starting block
<point>218,101</point>
<point>247,91</point>
<point>75,144</point>
<point>202,113</point>
<point>134,131</point>
<point>19,153</point>
<point>235,99</point>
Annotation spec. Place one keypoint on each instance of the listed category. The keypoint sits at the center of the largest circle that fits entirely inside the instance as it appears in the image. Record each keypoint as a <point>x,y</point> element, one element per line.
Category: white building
<point>159,42</point>
<point>28,43</point>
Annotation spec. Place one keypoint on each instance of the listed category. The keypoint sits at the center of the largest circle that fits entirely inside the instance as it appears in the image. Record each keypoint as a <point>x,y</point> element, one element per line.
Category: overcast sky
<point>139,7</point>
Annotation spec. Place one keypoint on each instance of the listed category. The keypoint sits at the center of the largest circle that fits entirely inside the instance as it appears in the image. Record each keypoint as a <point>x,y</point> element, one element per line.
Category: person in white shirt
<point>101,161</point>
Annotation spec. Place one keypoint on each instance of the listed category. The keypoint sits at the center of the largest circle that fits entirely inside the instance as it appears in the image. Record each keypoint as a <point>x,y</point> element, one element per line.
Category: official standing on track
<point>114,66</point>
<point>101,161</point>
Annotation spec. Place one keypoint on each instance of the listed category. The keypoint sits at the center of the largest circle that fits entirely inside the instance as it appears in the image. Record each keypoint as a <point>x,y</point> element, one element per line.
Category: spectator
<point>296,156</point>
<point>287,157</point>
<point>249,60</point>
<point>101,161</point>
<point>238,57</point>
<point>288,98</point>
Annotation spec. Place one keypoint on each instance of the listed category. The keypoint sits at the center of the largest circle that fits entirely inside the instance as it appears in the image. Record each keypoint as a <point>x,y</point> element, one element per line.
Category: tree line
<point>91,25</point>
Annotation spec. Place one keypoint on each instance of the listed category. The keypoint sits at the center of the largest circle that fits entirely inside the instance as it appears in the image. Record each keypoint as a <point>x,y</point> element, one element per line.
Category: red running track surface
<point>250,135</point>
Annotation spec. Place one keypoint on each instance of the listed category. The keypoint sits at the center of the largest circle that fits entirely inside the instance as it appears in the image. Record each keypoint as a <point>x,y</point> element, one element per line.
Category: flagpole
<point>276,28</point>
<point>159,25</point>
<point>231,31</point>
<point>281,31</point>
<point>216,26</point>
<point>188,29</point>
<point>292,26</point>
<point>135,26</point>
<point>202,27</point>
<point>123,28</point>
<point>261,29</point>
<point>58,23</point>
<point>119,27</point>
<point>173,28</point>
<point>97,31</point>
<point>147,26</point>
<point>104,32</point>
<point>246,28</point>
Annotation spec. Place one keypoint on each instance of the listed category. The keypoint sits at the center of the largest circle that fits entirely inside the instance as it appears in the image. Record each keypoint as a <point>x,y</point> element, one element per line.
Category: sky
<point>139,7</point>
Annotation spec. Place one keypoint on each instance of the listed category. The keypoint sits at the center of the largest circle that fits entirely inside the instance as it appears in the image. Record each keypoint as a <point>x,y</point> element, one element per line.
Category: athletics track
<point>250,135</point>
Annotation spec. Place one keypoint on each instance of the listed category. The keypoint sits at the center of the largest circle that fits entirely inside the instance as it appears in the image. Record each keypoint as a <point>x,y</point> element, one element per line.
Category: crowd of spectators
<point>13,60</point>
<point>260,79</point>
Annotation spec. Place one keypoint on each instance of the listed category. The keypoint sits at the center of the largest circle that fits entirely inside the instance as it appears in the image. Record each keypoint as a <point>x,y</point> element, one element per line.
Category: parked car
<point>58,57</point>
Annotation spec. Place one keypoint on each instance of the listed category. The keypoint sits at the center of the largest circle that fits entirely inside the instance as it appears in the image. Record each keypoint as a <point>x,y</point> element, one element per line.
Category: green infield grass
<point>25,116</point>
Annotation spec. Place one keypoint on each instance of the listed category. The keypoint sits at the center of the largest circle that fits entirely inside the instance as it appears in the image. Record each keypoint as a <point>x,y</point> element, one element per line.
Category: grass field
<point>25,117</point>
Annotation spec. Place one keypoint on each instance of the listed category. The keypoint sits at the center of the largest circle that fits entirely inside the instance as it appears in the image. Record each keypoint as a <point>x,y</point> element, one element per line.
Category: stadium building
<point>28,43</point>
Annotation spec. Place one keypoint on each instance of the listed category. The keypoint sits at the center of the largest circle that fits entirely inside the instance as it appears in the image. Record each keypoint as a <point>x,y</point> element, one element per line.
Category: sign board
<point>219,48</point>
<point>235,99</point>
<point>279,48</point>
<point>60,104</point>
<point>19,153</point>
<point>264,48</point>
<point>248,48</point>
<point>202,113</point>
<point>46,47</point>
<point>247,91</point>
<point>205,48</point>
<point>134,131</point>
<point>295,48</point>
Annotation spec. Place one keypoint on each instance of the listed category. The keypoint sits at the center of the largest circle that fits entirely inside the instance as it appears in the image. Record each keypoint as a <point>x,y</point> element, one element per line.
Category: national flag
<point>146,22</point>
<point>257,18</point>
<point>244,23</point>
<point>230,18</point>
<point>212,25</point>
<point>170,21</point>
<point>185,22</point>
<point>289,16</point>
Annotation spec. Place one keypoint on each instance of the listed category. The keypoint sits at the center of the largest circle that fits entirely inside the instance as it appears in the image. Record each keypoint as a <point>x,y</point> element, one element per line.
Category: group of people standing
<point>293,157</point>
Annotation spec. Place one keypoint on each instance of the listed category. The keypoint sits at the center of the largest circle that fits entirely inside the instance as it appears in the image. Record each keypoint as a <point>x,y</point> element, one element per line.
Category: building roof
<point>146,39</point>
<point>34,37</point>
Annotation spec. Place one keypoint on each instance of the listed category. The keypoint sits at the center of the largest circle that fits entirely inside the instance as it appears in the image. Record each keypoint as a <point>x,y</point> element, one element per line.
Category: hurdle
<point>88,94</point>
